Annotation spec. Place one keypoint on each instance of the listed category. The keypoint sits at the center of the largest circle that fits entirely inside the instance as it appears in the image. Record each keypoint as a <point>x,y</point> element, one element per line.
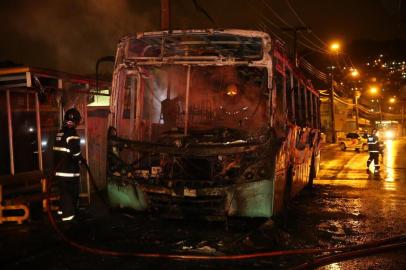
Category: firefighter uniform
<point>67,173</point>
<point>373,148</point>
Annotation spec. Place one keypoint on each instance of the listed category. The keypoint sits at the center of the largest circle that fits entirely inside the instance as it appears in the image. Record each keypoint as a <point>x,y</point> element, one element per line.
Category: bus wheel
<point>286,195</point>
<point>312,174</point>
<point>288,187</point>
<point>365,147</point>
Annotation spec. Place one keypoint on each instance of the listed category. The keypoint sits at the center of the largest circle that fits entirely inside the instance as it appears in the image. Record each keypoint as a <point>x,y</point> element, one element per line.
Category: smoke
<point>71,35</point>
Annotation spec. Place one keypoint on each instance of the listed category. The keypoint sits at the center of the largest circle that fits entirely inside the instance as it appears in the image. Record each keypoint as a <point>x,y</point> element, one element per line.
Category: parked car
<point>354,141</point>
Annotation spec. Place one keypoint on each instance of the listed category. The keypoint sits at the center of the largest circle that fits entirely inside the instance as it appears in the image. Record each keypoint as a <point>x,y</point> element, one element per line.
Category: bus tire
<point>312,174</point>
<point>288,189</point>
<point>287,195</point>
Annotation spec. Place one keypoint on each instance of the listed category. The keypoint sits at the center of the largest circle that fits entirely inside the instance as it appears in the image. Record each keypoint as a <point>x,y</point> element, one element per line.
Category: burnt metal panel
<point>13,80</point>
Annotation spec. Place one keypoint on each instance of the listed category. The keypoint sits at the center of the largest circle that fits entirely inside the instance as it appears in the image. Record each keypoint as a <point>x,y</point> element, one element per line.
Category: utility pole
<point>295,31</point>
<point>165,14</point>
<point>357,95</point>
<point>331,95</point>
<point>403,118</point>
<point>166,25</point>
<point>380,110</point>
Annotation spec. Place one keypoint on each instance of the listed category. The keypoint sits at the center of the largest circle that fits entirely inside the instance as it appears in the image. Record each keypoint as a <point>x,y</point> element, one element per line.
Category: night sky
<point>71,35</point>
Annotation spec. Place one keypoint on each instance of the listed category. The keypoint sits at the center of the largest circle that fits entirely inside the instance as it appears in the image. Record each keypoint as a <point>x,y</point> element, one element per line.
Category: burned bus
<point>213,123</point>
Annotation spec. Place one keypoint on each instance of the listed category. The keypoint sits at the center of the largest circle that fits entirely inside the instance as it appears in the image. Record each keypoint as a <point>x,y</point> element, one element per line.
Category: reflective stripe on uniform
<point>67,174</point>
<point>77,154</point>
<point>68,218</point>
<point>374,151</point>
<point>72,138</point>
<point>62,149</point>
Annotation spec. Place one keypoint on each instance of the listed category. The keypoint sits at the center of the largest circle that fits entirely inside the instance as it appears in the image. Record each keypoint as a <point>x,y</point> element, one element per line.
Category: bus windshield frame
<point>196,45</point>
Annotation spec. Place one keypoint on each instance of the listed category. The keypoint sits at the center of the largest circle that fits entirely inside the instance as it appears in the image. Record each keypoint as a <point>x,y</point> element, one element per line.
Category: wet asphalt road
<point>357,207</point>
<point>346,207</point>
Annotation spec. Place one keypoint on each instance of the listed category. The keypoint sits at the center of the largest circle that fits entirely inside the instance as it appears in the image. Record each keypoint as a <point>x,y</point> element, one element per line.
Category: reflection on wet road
<point>356,207</point>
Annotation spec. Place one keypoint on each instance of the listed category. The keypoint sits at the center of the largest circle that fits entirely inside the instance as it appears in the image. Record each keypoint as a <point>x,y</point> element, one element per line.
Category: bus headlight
<point>389,134</point>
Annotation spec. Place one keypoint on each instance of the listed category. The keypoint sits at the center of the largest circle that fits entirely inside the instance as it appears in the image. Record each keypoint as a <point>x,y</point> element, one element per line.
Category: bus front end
<point>190,124</point>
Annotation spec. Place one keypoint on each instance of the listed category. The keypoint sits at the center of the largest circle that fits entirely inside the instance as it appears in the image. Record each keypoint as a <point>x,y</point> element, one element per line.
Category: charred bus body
<point>209,123</point>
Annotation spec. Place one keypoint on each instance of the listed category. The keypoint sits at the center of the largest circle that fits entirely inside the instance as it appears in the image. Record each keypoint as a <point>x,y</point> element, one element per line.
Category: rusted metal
<point>39,136</point>
<point>187,100</point>
<point>195,150</point>
<point>133,94</point>
<point>10,132</point>
<point>139,107</point>
<point>17,218</point>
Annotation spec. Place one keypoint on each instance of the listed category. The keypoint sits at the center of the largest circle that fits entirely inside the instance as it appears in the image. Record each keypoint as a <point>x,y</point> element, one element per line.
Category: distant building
<point>344,116</point>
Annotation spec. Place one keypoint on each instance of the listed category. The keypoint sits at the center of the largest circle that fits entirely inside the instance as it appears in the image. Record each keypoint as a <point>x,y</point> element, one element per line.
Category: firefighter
<point>67,159</point>
<point>373,148</point>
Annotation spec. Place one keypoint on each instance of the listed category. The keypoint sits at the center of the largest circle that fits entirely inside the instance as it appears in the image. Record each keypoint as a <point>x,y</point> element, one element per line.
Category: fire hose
<point>335,254</point>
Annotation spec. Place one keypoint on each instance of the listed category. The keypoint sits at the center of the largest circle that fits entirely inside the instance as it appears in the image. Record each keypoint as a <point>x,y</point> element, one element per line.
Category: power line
<point>303,23</point>
<point>276,14</point>
<point>289,25</point>
<point>263,17</point>
<point>316,47</point>
<point>202,10</point>
<point>270,26</point>
<point>294,12</point>
<point>320,50</point>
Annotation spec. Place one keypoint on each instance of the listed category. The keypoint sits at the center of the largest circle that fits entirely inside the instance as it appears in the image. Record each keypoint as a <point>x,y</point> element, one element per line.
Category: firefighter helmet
<point>72,115</point>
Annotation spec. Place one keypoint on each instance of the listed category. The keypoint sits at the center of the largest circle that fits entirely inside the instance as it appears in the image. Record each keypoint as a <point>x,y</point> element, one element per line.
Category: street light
<point>335,47</point>
<point>392,100</point>
<point>373,90</point>
<point>354,73</point>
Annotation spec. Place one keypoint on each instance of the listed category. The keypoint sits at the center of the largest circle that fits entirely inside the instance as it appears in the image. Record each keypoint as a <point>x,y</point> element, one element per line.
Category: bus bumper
<point>251,199</point>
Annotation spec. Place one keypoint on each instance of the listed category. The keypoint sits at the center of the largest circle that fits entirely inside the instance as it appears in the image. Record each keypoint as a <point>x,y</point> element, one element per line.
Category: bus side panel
<point>301,171</point>
<point>280,185</point>
<point>301,175</point>
<point>281,166</point>
<point>303,163</point>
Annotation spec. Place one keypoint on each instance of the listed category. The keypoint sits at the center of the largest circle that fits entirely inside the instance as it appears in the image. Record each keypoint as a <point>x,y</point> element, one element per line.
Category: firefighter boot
<point>368,163</point>
<point>376,171</point>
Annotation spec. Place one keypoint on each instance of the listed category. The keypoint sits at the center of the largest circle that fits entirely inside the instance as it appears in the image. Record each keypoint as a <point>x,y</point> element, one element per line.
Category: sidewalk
<point>328,146</point>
